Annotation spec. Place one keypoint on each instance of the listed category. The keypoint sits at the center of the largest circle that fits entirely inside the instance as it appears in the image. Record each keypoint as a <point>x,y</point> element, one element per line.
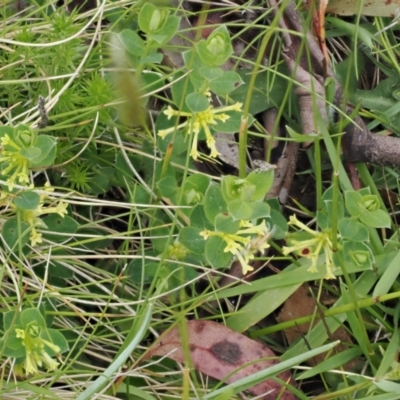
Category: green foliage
<point>30,341</point>
<point>104,208</point>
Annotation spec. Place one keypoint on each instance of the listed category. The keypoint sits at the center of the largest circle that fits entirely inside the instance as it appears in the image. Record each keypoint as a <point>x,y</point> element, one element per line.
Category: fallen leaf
<point>376,8</point>
<point>217,351</point>
<point>300,304</point>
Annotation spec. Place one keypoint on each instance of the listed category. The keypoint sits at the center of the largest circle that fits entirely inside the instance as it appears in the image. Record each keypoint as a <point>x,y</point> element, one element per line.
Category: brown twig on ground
<point>360,145</point>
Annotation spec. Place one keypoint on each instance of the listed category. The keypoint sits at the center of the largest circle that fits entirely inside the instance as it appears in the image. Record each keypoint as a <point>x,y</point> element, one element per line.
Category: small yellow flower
<point>169,112</point>
<point>312,248</point>
<point>50,364</point>
<point>260,229</point>
<point>20,333</point>
<point>245,224</point>
<point>176,251</point>
<point>201,120</point>
<point>17,164</point>
<point>237,107</point>
<point>231,246</point>
<point>224,117</point>
<point>36,354</point>
<point>205,234</point>
<point>244,261</point>
<point>52,346</point>
<point>243,247</point>
<point>35,237</point>
<point>163,133</point>
<point>5,140</point>
<point>60,209</point>
<point>211,145</point>
<point>30,364</point>
<point>193,152</point>
<point>32,217</point>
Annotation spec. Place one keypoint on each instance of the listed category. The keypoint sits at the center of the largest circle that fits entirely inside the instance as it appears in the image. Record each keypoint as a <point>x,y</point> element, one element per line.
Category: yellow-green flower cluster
<point>248,240</point>
<point>32,217</point>
<point>36,355</point>
<point>311,248</point>
<point>16,163</point>
<point>197,121</point>
<point>176,251</point>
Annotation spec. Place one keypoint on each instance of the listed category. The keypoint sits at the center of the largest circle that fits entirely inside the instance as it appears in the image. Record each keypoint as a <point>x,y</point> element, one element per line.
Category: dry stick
<point>310,90</point>
<point>292,151</point>
<point>271,126</point>
<point>311,96</point>
<point>359,144</point>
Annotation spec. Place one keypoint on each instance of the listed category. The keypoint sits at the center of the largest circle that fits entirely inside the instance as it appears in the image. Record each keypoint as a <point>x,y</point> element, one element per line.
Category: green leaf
<point>151,19</point>
<point>375,219</point>
<point>27,200</point>
<point>352,230</point>
<point>8,319</point>
<point>262,182</point>
<point>260,210</point>
<point>197,102</point>
<point>100,183</point>
<point>66,226</point>
<point>231,188</point>
<point>24,135</point>
<point>215,254</point>
<point>30,153</point>
<point>388,386</point>
<point>190,237</point>
<point>181,86</point>
<point>132,42</point>
<point>135,392</point>
<point>168,187</point>
<point>240,210</point>
<point>389,276</point>
<point>153,81</point>
<point>32,316</point>
<point>198,218</point>
<point>358,254</point>
<point>211,73</point>
<point>48,147</point>
<point>167,32</point>
<point>136,268</point>
<point>57,338</point>
<point>214,203</point>
<point>333,362</point>
<point>381,101</point>
<point>279,223</point>
<point>227,394</point>
<point>13,234</point>
<point>198,182</point>
<point>134,337</point>
<point>325,215</point>
<point>152,58</point>
<point>7,130</point>
<point>14,349</point>
<point>217,48</point>
<point>228,82</point>
<point>56,268</point>
<point>226,224</point>
<point>232,125</point>
<point>268,91</point>
<point>160,240</point>
<point>370,202</point>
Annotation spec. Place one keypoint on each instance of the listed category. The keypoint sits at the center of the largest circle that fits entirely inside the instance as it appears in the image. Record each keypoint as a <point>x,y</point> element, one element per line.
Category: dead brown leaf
<point>376,8</point>
<point>300,304</point>
<point>217,351</point>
